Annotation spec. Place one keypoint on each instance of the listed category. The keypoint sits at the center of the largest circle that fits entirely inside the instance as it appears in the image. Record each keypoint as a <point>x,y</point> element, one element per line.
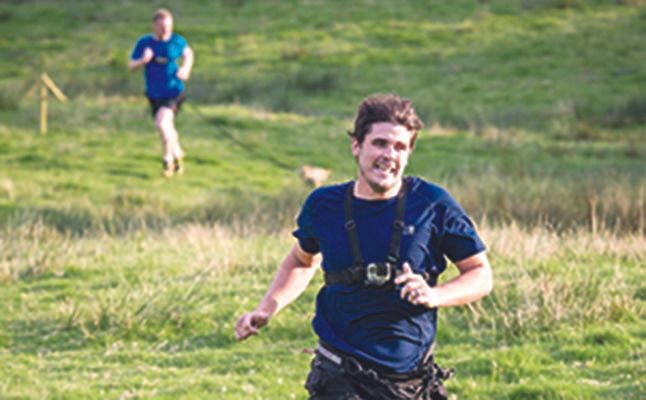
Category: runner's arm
<point>474,282</point>
<point>291,280</point>
<point>187,64</point>
<point>147,55</point>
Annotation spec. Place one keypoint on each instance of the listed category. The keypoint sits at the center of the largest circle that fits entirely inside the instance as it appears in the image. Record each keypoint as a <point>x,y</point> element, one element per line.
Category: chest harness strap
<point>374,274</point>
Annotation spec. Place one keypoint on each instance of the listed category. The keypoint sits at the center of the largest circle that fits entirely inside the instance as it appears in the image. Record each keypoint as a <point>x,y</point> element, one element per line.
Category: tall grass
<point>543,277</point>
<point>158,300</point>
<point>561,203</point>
<point>546,279</point>
<point>596,200</point>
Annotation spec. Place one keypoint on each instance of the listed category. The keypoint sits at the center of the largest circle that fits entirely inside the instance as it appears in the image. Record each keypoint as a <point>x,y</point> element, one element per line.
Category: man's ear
<point>413,139</point>
<point>355,145</point>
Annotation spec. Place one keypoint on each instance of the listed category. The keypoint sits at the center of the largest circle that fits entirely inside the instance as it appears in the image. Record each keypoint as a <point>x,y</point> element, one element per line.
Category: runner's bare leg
<point>165,123</point>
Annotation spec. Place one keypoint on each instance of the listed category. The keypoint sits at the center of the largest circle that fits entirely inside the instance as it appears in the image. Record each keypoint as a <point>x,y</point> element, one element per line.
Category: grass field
<point>117,283</point>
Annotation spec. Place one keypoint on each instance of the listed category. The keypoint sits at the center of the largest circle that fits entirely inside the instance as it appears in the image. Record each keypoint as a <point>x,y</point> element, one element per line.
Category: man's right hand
<point>249,324</point>
<point>148,55</point>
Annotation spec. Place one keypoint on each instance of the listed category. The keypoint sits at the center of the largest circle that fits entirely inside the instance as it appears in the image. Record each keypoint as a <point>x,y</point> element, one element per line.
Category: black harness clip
<point>378,274</point>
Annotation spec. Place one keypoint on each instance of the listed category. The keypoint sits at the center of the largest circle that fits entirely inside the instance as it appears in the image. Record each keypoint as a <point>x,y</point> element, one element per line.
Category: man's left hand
<point>415,288</point>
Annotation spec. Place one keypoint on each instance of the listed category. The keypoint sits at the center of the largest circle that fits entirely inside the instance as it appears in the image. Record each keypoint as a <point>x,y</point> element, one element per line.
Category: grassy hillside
<point>549,94</point>
<point>99,168</point>
<point>499,62</point>
<point>117,283</point>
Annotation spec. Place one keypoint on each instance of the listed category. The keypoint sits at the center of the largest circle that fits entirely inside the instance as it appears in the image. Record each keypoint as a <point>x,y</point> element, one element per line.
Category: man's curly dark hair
<point>386,108</point>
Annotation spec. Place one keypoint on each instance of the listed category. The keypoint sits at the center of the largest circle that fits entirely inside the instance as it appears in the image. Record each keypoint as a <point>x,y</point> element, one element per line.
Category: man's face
<point>383,155</point>
<point>163,27</point>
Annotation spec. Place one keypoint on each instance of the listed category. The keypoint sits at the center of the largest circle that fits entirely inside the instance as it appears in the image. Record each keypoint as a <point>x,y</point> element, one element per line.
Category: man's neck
<point>163,38</point>
<point>362,190</point>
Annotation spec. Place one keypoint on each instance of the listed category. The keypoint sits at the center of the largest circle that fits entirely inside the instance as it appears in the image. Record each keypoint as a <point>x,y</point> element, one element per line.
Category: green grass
<point>498,62</point>
<point>117,283</point>
<point>152,314</point>
<point>102,170</point>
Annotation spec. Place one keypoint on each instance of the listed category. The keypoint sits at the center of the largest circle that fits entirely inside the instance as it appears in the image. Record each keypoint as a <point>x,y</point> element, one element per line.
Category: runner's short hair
<point>161,14</point>
<point>386,108</point>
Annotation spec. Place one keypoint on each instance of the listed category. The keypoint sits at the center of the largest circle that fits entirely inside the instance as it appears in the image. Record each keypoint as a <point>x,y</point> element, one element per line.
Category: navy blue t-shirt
<point>375,324</point>
<point>161,73</point>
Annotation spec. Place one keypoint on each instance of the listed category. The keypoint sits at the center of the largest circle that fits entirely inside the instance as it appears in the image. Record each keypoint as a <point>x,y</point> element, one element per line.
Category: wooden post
<point>47,85</point>
<point>592,212</point>
<point>53,88</point>
<point>43,108</point>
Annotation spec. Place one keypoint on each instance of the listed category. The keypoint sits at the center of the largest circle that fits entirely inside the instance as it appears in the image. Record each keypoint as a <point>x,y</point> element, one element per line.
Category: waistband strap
<point>352,275</point>
<point>329,354</point>
<point>351,364</point>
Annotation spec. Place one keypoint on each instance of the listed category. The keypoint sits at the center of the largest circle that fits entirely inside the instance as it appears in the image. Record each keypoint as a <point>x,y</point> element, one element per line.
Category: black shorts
<point>349,379</point>
<point>174,103</point>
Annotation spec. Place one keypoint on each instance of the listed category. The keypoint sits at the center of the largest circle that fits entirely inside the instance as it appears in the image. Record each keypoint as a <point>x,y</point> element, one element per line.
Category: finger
<point>239,329</point>
<point>405,274</point>
<point>406,268</point>
<point>239,323</point>
<point>259,320</point>
<point>424,298</point>
<point>251,330</point>
<point>405,291</point>
<point>408,290</point>
<point>418,300</point>
<point>243,327</point>
<point>245,331</point>
<point>409,277</point>
<point>406,294</point>
<point>416,290</point>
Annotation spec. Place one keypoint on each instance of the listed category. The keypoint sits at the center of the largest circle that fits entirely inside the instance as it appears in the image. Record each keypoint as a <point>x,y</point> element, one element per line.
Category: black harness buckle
<point>378,274</point>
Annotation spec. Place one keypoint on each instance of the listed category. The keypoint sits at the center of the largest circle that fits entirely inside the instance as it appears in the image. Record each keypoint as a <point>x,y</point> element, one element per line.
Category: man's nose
<point>390,151</point>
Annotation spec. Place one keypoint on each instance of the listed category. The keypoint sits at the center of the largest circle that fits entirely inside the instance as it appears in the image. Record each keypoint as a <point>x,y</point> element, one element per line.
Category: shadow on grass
<point>128,172</point>
<point>42,336</point>
<point>222,127</point>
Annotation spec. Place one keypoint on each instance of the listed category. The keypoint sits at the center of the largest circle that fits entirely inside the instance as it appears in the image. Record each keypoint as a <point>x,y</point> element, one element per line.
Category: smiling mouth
<point>386,167</point>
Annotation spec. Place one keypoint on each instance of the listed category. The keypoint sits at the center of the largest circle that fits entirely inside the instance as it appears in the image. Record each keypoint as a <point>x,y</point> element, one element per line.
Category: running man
<point>159,53</point>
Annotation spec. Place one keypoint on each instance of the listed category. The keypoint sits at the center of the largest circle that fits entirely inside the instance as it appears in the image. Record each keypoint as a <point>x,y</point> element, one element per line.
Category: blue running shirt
<point>161,73</point>
<point>375,324</point>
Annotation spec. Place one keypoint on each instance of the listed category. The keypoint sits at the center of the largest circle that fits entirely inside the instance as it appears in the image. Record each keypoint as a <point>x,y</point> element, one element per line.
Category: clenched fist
<point>148,55</point>
<point>249,324</point>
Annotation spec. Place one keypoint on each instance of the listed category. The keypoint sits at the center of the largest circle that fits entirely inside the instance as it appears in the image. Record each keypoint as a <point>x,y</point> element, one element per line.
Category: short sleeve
<point>305,227</point>
<point>460,239</point>
<point>138,50</point>
<point>182,43</point>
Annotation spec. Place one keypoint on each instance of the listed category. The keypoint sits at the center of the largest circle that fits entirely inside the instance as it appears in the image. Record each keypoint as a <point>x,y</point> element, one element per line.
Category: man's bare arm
<point>474,282</point>
<point>291,280</point>
<point>184,72</point>
<point>145,59</point>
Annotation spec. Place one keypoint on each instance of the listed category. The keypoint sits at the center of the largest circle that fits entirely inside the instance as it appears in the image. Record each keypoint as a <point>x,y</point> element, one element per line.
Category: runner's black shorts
<point>174,103</point>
